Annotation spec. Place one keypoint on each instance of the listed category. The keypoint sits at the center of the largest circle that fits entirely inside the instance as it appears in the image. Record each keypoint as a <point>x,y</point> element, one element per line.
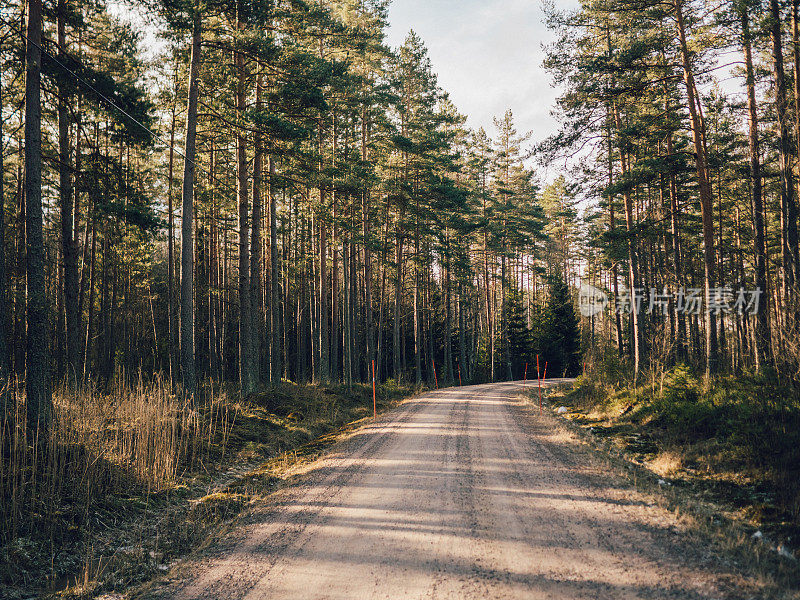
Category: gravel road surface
<point>462,493</point>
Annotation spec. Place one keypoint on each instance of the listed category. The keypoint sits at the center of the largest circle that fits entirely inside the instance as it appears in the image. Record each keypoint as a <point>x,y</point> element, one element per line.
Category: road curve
<point>461,493</point>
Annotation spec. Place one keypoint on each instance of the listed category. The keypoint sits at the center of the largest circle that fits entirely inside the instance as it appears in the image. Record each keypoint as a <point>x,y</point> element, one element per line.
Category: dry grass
<point>731,441</point>
<point>127,479</point>
<point>667,463</point>
<point>98,445</point>
<point>706,518</point>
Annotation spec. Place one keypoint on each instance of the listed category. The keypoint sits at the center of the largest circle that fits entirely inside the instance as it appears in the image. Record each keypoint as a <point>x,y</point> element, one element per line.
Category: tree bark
<point>486,280</point>
<point>246,380</point>
<point>762,334</point>
<point>417,318</point>
<point>275,296</point>
<point>788,203</point>
<point>65,190</point>
<point>37,363</point>
<point>504,313</point>
<point>348,313</point>
<point>324,336</point>
<point>188,375</point>
<point>448,315</point>
<point>612,226</point>
<point>706,200</point>
<point>398,294</point>
<point>365,210</point>
<point>171,312</point>
<point>256,282</point>
<point>633,260</point>
<point>5,364</point>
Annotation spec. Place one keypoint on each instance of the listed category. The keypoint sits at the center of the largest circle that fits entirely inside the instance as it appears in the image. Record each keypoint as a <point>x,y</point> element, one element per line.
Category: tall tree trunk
<point>69,248</point>
<point>286,246</point>
<point>336,335</point>
<point>313,278</point>
<point>90,317</point>
<point>256,283</point>
<point>382,301</point>
<point>612,227</point>
<point>762,334</point>
<point>324,342</point>
<point>706,200</point>
<point>796,69</point>
<point>417,323</point>
<point>213,271</point>
<point>504,314</point>
<point>680,319</point>
<point>788,203</point>
<point>322,295</point>
<point>353,366</point>
<point>5,364</point>
<point>37,364</point>
<point>171,312</point>
<point>398,295</point>
<point>274,269</point>
<point>486,280</point>
<point>188,375</point>
<point>612,219</point>
<point>365,216</point>
<point>448,315</point>
<point>246,380</point>
<point>335,328</point>
<point>428,315</point>
<point>633,262</point>
<point>348,315</point>
<point>462,367</point>
<point>111,320</point>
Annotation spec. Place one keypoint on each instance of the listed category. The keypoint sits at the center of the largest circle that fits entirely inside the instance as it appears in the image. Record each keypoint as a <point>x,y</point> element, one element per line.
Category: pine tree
<point>562,340</point>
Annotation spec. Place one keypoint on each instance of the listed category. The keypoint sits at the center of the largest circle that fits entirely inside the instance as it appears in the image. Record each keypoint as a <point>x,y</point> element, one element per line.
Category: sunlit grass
<point>118,483</point>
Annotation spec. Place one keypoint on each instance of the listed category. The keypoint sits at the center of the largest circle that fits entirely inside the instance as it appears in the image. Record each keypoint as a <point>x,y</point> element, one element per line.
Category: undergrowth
<point>738,435</point>
<point>126,479</point>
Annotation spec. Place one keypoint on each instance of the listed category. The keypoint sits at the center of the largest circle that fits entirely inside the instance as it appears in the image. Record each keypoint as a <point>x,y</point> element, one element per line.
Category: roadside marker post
<point>459,375</point>
<point>374,403</point>
<point>435,380</point>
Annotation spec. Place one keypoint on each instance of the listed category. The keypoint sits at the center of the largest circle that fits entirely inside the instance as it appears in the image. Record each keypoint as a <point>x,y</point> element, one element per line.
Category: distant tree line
<point>273,194</point>
<point>688,117</point>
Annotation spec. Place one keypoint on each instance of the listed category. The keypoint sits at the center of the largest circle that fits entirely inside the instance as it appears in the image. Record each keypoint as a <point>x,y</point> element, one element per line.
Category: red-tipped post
<point>374,403</point>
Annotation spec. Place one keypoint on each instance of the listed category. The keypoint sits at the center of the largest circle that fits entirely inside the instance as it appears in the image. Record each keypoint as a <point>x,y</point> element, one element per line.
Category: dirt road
<point>461,493</point>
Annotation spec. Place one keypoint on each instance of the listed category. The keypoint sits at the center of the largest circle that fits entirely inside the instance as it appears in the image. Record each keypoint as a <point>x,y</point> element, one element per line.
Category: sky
<point>488,56</point>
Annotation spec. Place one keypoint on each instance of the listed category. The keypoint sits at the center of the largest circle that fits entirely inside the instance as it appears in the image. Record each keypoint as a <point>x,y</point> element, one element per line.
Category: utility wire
<point>115,106</point>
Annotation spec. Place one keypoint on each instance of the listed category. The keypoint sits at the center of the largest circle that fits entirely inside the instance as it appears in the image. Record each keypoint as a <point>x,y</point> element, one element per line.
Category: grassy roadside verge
<point>687,459</point>
<point>137,530</point>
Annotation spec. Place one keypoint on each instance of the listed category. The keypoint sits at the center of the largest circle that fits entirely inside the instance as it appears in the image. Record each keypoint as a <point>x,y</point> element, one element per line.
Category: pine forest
<point>230,227</point>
